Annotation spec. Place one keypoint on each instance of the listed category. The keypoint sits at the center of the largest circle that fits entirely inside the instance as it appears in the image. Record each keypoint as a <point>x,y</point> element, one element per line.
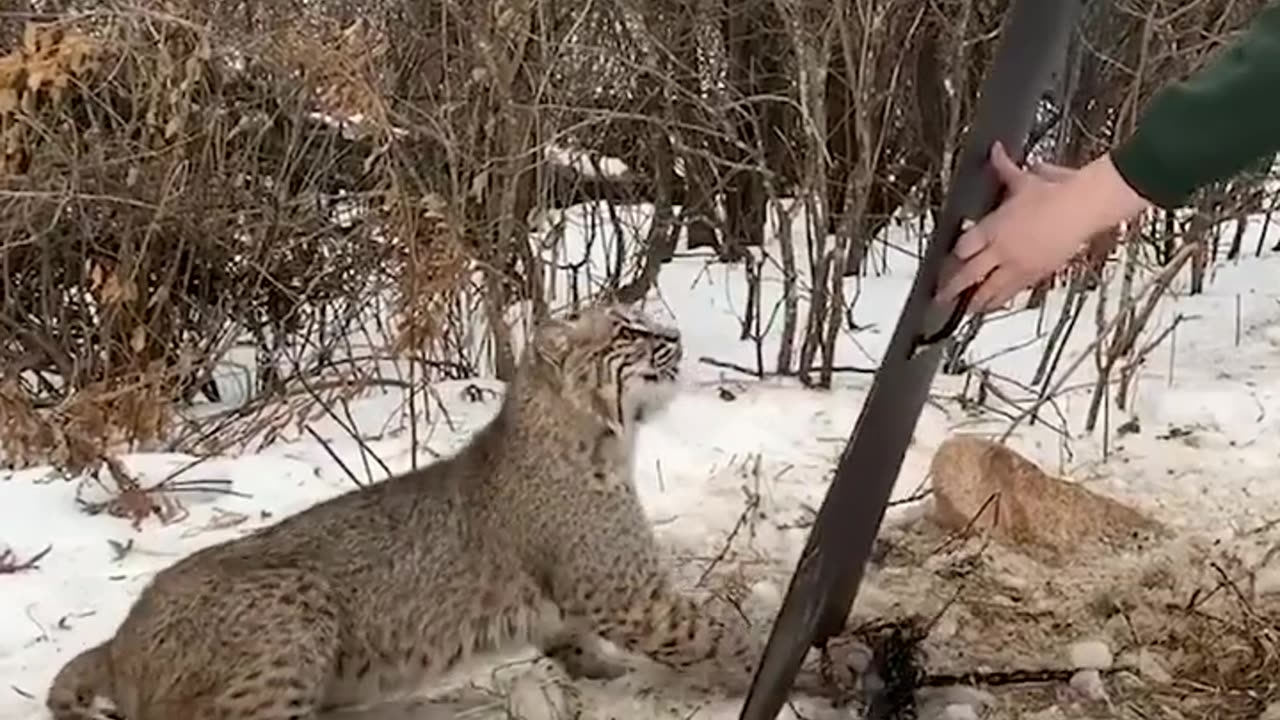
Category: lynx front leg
<point>579,651</point>
<point>615,582</point>
<point>621,588</point>
<point>671,629</point>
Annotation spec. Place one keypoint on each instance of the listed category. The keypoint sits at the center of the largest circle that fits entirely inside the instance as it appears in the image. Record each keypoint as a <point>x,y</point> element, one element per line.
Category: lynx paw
<point>581,661</point>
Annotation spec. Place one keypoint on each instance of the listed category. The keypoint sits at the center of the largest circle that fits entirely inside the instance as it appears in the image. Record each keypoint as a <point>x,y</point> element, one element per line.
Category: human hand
<point>1047,214</point>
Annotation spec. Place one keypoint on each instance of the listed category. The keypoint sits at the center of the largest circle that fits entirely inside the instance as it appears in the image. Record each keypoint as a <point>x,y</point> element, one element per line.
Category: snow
<point>586,162</point>
<point>1202,460</point>
<point>1090,655</point>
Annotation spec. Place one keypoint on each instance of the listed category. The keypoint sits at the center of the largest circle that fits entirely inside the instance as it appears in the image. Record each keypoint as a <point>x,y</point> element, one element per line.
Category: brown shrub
<point>163,198</point>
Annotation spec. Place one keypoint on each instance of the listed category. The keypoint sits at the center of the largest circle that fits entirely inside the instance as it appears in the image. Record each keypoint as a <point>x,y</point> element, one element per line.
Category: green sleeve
<point>1212,125</point>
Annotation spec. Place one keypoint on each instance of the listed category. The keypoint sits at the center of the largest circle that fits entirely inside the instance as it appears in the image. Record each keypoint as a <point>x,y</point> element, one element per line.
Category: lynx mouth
<point>661,375</point>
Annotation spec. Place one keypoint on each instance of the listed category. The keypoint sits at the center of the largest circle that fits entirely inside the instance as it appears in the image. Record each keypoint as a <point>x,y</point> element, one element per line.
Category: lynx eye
<point>629,333</point>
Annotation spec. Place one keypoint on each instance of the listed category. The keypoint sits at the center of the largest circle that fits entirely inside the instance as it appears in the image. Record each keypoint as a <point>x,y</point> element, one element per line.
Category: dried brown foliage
<point>163,198</point>
<point>1231,659</point>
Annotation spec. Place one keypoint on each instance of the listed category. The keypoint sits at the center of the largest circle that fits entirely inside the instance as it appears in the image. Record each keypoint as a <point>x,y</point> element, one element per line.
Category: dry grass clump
<point>163,198</point>
<point>1224,645</point>
<point>1193,621</point>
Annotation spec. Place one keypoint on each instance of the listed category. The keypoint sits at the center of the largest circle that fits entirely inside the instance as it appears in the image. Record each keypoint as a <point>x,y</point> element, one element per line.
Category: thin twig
<point>9,564</point>
<point>725,365</point>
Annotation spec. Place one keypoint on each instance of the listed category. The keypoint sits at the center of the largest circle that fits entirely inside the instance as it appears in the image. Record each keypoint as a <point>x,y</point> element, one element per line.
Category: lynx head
<point>612,360</point>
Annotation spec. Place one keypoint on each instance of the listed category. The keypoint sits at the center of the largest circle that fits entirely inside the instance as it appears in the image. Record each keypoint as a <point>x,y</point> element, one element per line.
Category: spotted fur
<point>532,533</point>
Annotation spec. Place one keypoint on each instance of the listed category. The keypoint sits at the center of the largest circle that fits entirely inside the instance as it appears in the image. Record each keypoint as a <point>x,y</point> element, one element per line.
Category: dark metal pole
<point>826,581</point>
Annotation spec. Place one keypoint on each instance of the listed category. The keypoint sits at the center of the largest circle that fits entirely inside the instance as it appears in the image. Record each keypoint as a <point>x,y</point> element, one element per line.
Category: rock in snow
<point>1089,684</point>
<point>1090,655</point>
<point>986,487</point>
<point>959,711</point>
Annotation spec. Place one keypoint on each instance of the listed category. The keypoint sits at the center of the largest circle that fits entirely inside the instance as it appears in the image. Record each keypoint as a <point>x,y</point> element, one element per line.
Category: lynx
<point>531,535</point>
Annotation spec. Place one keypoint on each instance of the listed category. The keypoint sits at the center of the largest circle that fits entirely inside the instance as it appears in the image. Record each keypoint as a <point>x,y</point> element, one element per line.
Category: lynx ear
<point>625,311</point>
<point>550,342</point>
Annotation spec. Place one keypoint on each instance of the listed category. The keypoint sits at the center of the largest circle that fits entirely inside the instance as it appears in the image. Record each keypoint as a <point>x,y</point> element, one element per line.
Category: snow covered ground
<point>1203,459</point>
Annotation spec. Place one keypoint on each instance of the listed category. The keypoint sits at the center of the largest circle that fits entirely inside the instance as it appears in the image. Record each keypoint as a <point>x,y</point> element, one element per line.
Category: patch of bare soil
<point>1194,625</point>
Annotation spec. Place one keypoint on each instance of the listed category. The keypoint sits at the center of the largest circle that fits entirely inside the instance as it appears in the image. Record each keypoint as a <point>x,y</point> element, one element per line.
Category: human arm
<point>1195,132</point>
<point>1212,125</point>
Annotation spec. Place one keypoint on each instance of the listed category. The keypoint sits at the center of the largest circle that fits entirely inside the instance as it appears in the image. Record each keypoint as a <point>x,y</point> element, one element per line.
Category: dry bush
<point>163,198</point>
<point>174,172</point>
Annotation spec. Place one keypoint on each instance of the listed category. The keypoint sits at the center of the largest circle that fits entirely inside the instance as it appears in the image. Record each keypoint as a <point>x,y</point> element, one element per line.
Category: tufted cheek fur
<point>582,377</point>
<point>641,398</point>
<point>646,399</point>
